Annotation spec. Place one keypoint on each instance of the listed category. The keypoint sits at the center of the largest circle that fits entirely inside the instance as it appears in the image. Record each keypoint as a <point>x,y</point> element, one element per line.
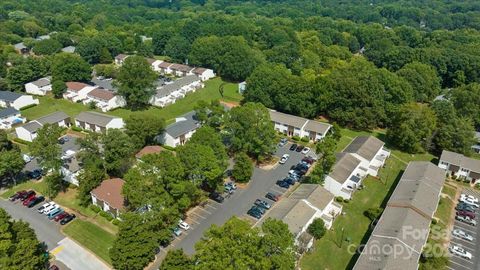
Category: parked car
<point>466,220</point>
<point>232,184</point>
<point>464,207</point>
<point>50,208</point>
<point>462,204</point>
<point>466,214</point>
<point>293,147</point>
<point>63,140</point>
<point>259,209</point>
<point>229,189</point>
<point>291,181</point>
<point>54,213</point>
<point>282,184</point>
<point>262,203</point>
<point>28,200</point>
<point>306,150</point>
<point>67,219</point>
<point>284,158</point>
<point>299,148</point>
<point>60,217</point>
<point>17,195</point>
<point>254,213</point>
<point>35,174</point>
<point>177,231</point>
<point>37,200</point>
<point>44,206</point>
<point>182,224</point>
<point>456,250</point>
<point>216,197</point>
<point>272,196</point>
<point>27,195</point>
<point>27,158</point>
<point>283,142</point>
<point>469,197</point>
<point>308,160</point>
<point>462,234</point>
<point>469,201</point>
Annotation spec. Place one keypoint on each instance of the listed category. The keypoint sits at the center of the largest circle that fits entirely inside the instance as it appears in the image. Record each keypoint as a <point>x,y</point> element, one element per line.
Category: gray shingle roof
<point>317,195</point>
<point>365,146</point>
<point>344,166</point>
<point>52,118</point>
<point>317,127</point>
<point>460,160</point>
<point>184,126</point>
<point>9,96</point>
<point>288,119</point>
<point>96,118</point>
<point>8,112</point>
<point>32,126</point>
<point>42,82</point>
<point>69,49</point>
<point>167,89</point>
<point>20,46</point>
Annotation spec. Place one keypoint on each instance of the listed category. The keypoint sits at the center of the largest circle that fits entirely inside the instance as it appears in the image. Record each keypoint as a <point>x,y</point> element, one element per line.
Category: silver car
<point>462,235</point>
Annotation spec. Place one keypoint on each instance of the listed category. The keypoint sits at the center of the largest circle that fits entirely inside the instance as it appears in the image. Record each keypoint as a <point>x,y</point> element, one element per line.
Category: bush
<point>346,200</point>
<point>95,208</point>
<point>305,139</point>
<point>317,228</point>
<point>295,138</point>
<point>373,213</point>
<point>20,141</point>
<point>116,222</point>
<point>106,215</point>
<point>434,221</point>
<point>168,147</point>
<point>338,199</point>
<point>74,128</point>
<point>243,168</point>
<point>28,106</point>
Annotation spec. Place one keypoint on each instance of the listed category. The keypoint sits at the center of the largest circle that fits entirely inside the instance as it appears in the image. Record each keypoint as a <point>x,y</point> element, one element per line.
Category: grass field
<point>92,237</point>
<point>211,92</point>
<point>39,186</point>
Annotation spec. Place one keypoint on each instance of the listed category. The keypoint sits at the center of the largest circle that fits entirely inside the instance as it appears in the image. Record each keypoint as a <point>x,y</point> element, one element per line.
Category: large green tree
<point>243,169</point>
<point>47,47</point>
<point>70,67</point>
<point>210,137</point>
<point>117,151</point>
<point>465,99</point>
<point>176,260</point>
<point>423,79</point>
<point>142,128</point>
<point>136,81</point>
<point>46,148</point>
<point>201,164</point>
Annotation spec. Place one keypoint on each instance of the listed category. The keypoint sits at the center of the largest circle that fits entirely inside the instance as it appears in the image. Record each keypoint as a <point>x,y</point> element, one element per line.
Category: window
<point>444,163</point>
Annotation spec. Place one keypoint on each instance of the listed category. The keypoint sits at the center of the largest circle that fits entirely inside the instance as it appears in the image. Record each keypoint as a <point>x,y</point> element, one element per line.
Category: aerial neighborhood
<point>261,135</point>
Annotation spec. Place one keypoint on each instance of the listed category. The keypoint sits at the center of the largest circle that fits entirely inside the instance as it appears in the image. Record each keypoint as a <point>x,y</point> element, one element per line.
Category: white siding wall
<point>23,101</point>
<point>24,134</point>
<point>116,123</point>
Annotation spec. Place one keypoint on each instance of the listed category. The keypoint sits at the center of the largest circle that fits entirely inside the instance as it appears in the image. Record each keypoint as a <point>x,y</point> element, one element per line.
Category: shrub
<point>28,106</point>
<point>338,199</point>
<point>317,228</point>
<point>346,200</point>
<point>75,128</point>
<point>243,168</point>
<point>373,213</point>
<point>295,138</point>
<point>305,139</point>
<point>168,147</point>
<point>106,215</point>
<point>95,208</point>
<point>20,141</point>
<point>116,222</point>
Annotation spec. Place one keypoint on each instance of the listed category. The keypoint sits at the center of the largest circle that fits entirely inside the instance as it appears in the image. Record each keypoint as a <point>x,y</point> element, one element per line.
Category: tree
<point>373,213</point>
<point>20,248</point>
<point>90,177</point>
<point>117,151</point>
<point>238,60</point>
<point>70,67</point>
<point>11,163</point>
<point>177,48</point>
<point>25,71</point>
<point>47,47</point>
<point>423,79</point>
<point>249,129</point>
<point>239,246</point>
<point>135,81</point>
<point>176,260</point>
<point>317,228</point>
<point>46,148</point>
<point>209,137</point>
<point>412,128</point>
<point>465,99</point>
<point>135,244</point>
<point>160,39</point>
<point>243,168</point>
<point>143,127</point>
<point>201,164</point>
<point>58,88</point>
<point>54,183</point>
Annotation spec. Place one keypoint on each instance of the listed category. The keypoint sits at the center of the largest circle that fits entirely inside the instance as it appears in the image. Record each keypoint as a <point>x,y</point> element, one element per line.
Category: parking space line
<point>458,263</point>
<point>204,210</point>
<point>197,215</point>
<point>462,259</point>
<point>463,246</point>
<point>466,229</point>
<point>461,241</point>
<point>276,189</point>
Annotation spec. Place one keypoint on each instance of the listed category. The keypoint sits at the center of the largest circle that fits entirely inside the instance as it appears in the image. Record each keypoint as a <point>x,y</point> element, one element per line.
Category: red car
<point>466,214</point>
<point>28,195</point>
<point>17,195</point>
<point>28,200</point>
<point>60,217</point>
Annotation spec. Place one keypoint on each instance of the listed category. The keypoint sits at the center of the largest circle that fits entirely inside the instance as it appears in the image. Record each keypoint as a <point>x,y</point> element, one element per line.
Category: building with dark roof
<point>98,122</point>
<point>28,132</point>
<point>9,117</point>
<point>370,150</point>
<point>292,125</point>
<point>460,166</point>
<point>16,100</point>
<point>180,132</point>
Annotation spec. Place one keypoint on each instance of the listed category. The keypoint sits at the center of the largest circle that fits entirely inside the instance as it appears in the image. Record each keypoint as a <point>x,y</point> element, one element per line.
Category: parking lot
<point>237,204</point>
<point>457,262</point>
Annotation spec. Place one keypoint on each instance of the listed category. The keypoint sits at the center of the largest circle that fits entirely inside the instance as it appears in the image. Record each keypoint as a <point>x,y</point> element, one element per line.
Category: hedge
<point>28,107</point>
<point>116,222</point>
<point>20,141</point>
<point>305,139</point>
<point>95,208</point>
<point>168,147</point>
<point>296,138</point>
<point>74,128</point>
<point>106,215</point>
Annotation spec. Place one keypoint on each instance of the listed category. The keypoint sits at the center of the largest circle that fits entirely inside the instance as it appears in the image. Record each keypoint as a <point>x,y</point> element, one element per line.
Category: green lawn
<point>92,237</point>
<point>328,253</point>
<point>39,186</point>
<point>211,92</point>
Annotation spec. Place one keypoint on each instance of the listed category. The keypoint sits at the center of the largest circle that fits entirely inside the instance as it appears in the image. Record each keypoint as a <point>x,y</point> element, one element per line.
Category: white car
<point>462,235</point>
<point>50,208</point>
<point>43,207</point>
<point>27,158</point>
<point>182,224</point>
<point>456,250</point>
<point>466,220</point>
<point>469,197</point>
<point>284,158</point>
<point>305,150</point>
<point>469,201</point>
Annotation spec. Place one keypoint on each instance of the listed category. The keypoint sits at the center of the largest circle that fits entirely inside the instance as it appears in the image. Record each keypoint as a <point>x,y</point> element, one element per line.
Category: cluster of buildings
<point>21,48</point>
<point>10,105</point>
<point>292,125</point>
<point>104,99</point>
<point>365,155</point>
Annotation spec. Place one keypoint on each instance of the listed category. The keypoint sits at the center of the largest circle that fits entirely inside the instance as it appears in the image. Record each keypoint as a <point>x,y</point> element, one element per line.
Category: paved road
<point>263,181</point>
<point>73,255</point>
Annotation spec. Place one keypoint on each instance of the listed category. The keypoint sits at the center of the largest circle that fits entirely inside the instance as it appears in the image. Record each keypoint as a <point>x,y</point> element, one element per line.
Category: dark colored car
<point>464,207</point>
<point>254,213</point>
<point>466,214</point>
<point>272,196</point>
<point>35,174</point>
<point>27,195</point>
<point>37,200</point>
<point>293,147</point>
<point>216,197</point>
<point>299,148</point>
<point>67,219</point>
<point>27,201</point>
<point>308,160</point>
<point>262,203</point>
<point>283,184</point>
<point>60,216</point>
<point>289,180</point>
<point>53,267</point>
<point>63,140</point>
<point>259,209</point>
<point>17,195</point>
<point>468,206</point>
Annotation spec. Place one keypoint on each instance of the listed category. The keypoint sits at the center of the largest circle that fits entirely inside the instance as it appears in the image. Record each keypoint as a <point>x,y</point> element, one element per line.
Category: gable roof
<point>32,126</point>
<point>287,119</point>
<point>167,89</point>
<point>53,118</point>
<point>365,146</point>
<point>8,112</point>
<point>110,191</point>
<point>164,64</point>
<point>76,86</point>
<point>69,49</point>
<point>180,67</point>
<point>186,123</point>
<point>121,56</point>
<point>20,46</point>
<point>95,118</point>
<point>199,70</point>
<point>344,166</point>
<point>42,82</point>
<point>149,149</point>
<point>102,94</point>
<point>9,96</point>
<point>316,195</point>
<point>317,127</point>
<point>461,160</point>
